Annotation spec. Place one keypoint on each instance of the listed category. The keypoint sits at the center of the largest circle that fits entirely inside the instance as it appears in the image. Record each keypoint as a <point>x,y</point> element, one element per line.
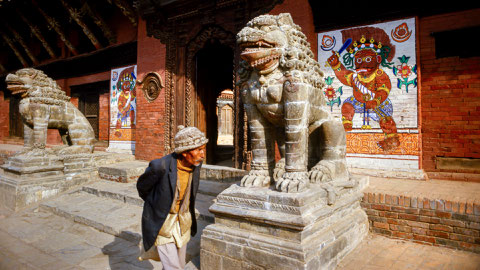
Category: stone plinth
<point>259,228</point>
<point>28,179</point>
<point>124,172</point>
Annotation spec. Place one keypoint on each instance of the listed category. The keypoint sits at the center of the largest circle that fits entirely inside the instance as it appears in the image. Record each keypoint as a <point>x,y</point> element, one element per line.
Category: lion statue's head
<point>269,42</point>
<point>31,82</point>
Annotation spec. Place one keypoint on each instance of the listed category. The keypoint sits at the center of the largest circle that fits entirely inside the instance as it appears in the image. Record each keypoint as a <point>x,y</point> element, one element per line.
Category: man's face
<point>126,86</point>
<point>366,62</point>
<point>195,156</point>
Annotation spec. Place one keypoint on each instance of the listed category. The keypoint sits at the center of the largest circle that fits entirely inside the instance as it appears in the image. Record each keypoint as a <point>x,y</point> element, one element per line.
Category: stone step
<point>127,193</point>
<point>110,215</point>
<point>104,214</point>
<point>221,173</point>
<point>106,158</point>
<point>213,188</point>
<point>127,171</point>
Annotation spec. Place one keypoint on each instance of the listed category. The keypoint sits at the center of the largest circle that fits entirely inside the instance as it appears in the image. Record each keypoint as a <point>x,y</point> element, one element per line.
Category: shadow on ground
<point>123,254</point>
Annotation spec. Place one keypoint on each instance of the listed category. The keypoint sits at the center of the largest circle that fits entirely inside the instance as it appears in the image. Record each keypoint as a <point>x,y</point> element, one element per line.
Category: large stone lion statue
<point>44,105</point>
<point>281,87</point>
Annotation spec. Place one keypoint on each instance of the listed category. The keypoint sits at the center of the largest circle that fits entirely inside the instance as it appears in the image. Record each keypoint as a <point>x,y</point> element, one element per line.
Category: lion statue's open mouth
<point>261,55</point>
<point>16,85</point>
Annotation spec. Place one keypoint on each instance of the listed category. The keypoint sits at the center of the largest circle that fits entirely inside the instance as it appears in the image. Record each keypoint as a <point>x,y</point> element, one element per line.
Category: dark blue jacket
<point>156,186</point>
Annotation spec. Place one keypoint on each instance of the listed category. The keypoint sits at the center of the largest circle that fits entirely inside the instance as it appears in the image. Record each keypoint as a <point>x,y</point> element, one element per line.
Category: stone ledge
<point>221,173</point>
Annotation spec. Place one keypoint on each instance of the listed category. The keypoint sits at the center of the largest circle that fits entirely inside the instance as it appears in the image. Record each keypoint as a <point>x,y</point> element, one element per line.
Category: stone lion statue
<point>44,105</point>
<point>281,87</point>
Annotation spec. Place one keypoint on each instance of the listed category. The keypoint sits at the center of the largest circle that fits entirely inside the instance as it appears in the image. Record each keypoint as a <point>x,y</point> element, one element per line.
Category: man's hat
<point>188,138</point>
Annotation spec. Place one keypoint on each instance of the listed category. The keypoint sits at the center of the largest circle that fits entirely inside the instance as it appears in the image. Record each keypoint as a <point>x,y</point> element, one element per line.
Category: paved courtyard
<point>37,239</point>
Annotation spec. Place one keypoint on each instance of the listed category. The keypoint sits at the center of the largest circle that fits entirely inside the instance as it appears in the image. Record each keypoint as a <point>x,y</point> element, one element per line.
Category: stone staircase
<point>111,203</point>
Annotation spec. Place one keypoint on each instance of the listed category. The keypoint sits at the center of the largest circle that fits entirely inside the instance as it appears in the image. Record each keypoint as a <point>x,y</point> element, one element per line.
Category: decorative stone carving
<point>44,105</point>
<point>151,84</point>
<point>280,84</point>
<point>260,228</point>
<point>316,219</point>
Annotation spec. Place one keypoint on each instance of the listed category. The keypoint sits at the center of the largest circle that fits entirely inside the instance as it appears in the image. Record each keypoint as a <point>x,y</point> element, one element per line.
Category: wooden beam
<point>127,10</point>
<point>77,18</point>
<point>14,49</point>
<point>98,20</point>
<point>35,30</point>
<point>19,39</point>
<point>55,25</point>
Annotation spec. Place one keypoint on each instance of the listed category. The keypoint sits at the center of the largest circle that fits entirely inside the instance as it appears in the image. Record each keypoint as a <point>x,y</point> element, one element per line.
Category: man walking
<point>168,187</point>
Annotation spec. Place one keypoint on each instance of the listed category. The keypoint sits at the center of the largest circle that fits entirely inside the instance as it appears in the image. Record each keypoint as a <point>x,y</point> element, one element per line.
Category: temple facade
<point>138,70</point>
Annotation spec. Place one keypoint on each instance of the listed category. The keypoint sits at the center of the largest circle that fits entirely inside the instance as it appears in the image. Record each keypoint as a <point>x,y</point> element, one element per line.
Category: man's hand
<point>333,60</point>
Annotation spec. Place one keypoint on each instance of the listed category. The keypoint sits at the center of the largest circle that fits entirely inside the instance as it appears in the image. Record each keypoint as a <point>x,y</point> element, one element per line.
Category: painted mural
<point>371,85</point>
<point>123,108</point>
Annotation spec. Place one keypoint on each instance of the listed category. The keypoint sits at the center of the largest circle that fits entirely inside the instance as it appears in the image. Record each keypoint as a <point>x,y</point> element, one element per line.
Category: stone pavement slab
<point>63,245</point>
<point>378,252</point>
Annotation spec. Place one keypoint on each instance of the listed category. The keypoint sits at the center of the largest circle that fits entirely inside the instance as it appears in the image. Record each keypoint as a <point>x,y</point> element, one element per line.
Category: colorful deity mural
<point>371,85</point>
<point>123,109</point>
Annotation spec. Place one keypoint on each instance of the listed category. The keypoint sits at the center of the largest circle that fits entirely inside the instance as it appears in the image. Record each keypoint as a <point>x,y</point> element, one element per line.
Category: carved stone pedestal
<point>265,229</point>
<point>29,179</point>
<point>26,180</point>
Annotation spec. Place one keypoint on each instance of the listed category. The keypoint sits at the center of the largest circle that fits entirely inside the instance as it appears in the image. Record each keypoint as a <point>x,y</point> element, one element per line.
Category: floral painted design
<point>404,71</point>
<point>331,93</point>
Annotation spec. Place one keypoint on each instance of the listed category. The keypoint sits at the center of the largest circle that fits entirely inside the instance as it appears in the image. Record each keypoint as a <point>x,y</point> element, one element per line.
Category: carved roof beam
<point>98,20</point>
<point>35,30</point>
<point>14,49</point>
<point>126,9</point>
<point>55,26</point>
<point>19,39</point>
<point>75,14</point>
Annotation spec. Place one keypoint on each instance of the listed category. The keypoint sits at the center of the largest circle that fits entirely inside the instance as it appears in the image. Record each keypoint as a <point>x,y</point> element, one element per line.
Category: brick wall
<point>4,116</point>
<point>104,116</point>
<point>450,99</point>
<point>454,224</point>
<point>150,115</point>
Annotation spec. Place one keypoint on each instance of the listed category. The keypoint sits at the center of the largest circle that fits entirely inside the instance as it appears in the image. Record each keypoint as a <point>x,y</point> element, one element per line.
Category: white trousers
<point>172,258</point>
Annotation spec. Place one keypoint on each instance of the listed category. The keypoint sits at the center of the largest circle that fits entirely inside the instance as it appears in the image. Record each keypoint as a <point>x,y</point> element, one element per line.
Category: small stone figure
<point>281,86</point>
<point>168,187</point>
<point>44,105</point>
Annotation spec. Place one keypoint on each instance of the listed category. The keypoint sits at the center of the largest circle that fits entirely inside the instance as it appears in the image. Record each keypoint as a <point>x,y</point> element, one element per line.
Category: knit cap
<point>188,138</point>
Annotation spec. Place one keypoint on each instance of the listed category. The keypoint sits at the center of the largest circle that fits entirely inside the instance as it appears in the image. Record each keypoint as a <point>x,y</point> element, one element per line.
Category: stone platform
<point>114,207</point>
<point>26,241</point>
<point>266,229</point>
<point>28,180</point>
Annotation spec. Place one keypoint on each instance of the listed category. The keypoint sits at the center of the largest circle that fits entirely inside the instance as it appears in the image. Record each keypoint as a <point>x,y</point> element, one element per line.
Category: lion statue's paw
<point>256,178</point>
<point>292,182</point>
<point>322,172</point>
<point>279,169</point>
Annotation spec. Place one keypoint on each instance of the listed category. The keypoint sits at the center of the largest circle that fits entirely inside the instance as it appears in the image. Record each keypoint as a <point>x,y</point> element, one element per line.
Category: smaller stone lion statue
<point>44,105</point>
<point>281,87</point>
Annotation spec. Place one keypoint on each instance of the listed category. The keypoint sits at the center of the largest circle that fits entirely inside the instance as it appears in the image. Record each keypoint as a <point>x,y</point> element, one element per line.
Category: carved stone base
<point>266,229</point>
<point>27,180</point>
<point>24,166</point>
